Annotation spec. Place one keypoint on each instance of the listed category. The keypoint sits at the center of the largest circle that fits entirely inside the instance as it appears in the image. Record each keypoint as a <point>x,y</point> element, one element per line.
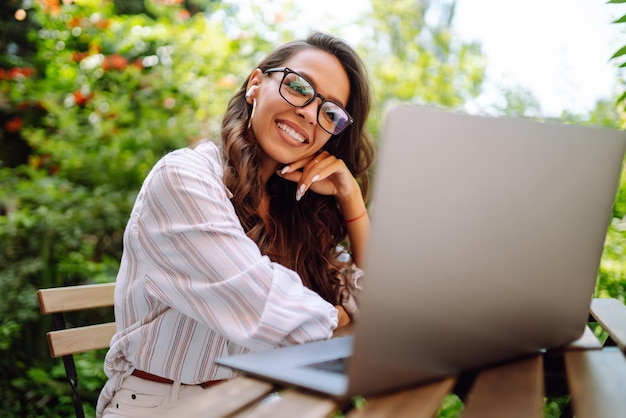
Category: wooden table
<point>589,374</point>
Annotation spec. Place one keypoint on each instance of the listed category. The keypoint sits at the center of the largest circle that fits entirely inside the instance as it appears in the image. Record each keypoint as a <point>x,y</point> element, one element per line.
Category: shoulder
<point>199,166</point>
<point>204,155</point>
<point>208,149</point>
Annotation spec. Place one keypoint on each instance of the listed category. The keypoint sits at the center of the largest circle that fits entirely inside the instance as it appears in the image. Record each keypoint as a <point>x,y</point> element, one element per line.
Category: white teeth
<point>293,134</point>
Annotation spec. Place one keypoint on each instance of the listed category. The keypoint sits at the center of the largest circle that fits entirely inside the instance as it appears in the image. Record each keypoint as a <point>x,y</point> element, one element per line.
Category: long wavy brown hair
<point>304,236</point>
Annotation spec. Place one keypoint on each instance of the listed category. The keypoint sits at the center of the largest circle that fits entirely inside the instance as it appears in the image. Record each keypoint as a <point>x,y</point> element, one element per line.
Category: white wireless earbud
<point>250,91</point>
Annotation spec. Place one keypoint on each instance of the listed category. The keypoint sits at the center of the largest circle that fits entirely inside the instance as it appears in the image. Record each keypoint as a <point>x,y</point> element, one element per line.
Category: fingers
<point>315,168</point>
<point>324,174</point>
<point>307,163</point>
<point>318,168</point>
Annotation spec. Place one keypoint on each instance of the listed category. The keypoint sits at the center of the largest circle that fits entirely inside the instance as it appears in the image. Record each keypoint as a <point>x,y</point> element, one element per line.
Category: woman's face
<point>286,133</point>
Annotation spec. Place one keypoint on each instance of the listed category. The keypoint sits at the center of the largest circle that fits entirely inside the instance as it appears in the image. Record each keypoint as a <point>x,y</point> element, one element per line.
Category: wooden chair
<point>65,342</point>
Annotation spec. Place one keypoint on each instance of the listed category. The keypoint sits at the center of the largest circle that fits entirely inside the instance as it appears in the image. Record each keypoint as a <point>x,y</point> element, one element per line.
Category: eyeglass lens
<point>299,92</point>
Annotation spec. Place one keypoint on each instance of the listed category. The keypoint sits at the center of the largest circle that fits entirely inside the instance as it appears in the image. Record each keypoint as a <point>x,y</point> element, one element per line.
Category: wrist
<point>353,211</point>
<point>346,221</point>
<point>352,205</point>
<point>350,195</point>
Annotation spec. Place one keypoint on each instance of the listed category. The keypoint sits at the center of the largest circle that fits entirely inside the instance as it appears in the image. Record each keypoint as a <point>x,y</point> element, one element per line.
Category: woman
<point>238,248</point>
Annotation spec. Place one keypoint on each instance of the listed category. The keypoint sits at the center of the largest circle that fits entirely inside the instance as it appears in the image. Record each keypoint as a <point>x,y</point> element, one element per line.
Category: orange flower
<point>79,56</point>
<point>75,21</point>
<point>13,125</point>
<point>51,6</point>
<point>17,72</point>
<point>103,24</point>
<point>114,62</point>
<point>81,99</point>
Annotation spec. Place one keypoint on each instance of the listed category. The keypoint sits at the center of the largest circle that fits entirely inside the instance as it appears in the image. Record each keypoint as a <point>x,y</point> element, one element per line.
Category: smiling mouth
<point>291,133</point>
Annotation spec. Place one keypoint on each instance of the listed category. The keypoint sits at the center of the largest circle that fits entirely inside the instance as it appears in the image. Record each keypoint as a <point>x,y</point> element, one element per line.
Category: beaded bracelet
<point>347,221</point>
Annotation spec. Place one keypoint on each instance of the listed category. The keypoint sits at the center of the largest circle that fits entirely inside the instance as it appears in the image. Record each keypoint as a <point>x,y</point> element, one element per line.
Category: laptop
<point>486,239</point>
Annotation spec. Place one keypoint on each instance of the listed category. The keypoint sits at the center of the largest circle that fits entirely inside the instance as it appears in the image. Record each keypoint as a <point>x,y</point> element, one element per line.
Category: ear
<point>253,83</point>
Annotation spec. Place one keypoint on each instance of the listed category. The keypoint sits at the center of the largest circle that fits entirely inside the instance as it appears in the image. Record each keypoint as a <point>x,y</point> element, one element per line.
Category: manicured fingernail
<point>300,192</point>
<point>315,178</point>
<point>284,170</point>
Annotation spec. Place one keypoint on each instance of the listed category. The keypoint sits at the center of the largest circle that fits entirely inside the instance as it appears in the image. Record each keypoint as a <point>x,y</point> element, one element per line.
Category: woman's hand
<point>324,174</point>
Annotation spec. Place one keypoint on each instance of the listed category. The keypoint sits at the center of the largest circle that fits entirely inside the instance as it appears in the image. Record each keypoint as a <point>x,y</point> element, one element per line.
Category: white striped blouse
<point>193,287</point>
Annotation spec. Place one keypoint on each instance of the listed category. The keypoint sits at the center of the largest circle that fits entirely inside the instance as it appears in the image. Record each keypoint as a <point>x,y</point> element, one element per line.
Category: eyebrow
<point>329,97</point>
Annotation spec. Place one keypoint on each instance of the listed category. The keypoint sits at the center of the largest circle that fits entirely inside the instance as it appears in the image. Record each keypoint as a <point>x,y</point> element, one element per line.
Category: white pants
<point>143,398</point>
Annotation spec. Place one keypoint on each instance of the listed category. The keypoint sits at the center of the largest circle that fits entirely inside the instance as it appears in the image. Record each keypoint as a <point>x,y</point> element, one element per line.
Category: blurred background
<point>93,92</point>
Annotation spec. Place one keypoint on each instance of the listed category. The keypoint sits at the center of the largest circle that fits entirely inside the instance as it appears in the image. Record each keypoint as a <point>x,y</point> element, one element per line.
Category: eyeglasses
<point>299,92</point>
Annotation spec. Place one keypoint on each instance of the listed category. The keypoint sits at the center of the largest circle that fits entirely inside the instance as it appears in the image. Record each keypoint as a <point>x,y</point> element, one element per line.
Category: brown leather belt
<point>154,378</point>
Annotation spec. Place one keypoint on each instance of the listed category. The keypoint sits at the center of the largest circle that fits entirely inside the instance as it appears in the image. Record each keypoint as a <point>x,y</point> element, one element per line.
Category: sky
<point>558,50</point>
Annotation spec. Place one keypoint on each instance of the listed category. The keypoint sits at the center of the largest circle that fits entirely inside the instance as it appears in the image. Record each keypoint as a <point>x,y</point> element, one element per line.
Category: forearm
<point>357,222</point>
<point>358,235</point>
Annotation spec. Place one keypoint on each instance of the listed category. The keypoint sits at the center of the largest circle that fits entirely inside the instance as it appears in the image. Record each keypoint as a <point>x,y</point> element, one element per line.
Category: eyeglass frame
<point>287,70</point>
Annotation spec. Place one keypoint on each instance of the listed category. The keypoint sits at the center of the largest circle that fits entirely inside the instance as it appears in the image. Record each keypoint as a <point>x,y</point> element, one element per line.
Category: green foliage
<point>519,102</point>
<point>619,54</point>
<point>612,275</point>
<point>451,407</point>
<point>44,390</point>
<point>554,407</point>
<point>415,59</point>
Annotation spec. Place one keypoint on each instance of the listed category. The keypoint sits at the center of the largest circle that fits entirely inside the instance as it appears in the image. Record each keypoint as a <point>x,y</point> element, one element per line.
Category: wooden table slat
<point>422,401</point>
<point>597,382</point>
<point>611,314</point>
<point>514,389</point>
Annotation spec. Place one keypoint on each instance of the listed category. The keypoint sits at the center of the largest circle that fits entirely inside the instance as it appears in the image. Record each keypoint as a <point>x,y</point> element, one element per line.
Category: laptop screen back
<point>486,240</point>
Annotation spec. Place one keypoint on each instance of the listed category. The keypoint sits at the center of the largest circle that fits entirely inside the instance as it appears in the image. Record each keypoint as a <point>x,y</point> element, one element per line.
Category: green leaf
<point>621,98</point>
<point>619,53</point>
<point>616,1</point>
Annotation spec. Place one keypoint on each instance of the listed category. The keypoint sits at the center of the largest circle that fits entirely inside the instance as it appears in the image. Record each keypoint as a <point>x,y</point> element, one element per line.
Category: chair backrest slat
<point>81,339</point>
<point>75,298</point>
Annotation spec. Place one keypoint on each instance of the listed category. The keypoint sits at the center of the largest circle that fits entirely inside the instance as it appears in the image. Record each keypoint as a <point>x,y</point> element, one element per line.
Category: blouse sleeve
<point>202,264</point>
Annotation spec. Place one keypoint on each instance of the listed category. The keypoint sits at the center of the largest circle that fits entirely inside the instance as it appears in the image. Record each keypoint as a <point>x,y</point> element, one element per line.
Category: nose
<point>309,112</point>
